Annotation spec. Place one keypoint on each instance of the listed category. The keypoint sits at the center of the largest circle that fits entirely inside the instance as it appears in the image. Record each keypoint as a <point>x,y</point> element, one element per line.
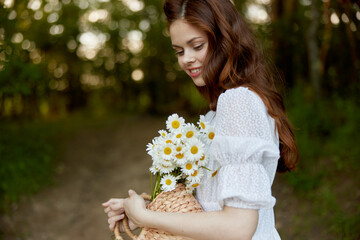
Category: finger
<point>115,206</point>
<point>114,213</point>
<point>111,200</point>
<point>113,221</point>
<point>118,205</point>
<point>115,218</point>
<point>132,192</point>
<point>108,209</point>
<point>112,226</point>
<point>121,227</point>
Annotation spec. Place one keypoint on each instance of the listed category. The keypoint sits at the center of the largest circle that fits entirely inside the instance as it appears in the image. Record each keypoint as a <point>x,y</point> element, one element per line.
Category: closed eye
<point>179,53</point>
<point>199,47</point>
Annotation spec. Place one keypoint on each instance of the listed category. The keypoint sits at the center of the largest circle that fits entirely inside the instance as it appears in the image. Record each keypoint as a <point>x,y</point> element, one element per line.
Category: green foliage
<point>27,160</point>
<point>22,78</point>
<point>328,144</point>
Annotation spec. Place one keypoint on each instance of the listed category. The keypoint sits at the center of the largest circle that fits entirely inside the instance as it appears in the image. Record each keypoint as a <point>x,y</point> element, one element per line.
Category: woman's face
<point>191,46</point>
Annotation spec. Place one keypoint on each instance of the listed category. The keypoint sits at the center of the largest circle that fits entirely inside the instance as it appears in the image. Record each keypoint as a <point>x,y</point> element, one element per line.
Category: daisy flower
<point>150,147</point>
<point>168,183</point>
<point>163,133</point>
<point>190,186</point>
<point>164,168</point>
<point>167,139</point>
<point>154,169</point>
<point>202,123</point>
<point>189,168</point>
<point>196,176</point>
<point>193,184</point>
<point>194,149</point>
<point>210,134</point>
<point>180,159</point>
<point>167,151</point>
<point>174,122</point>
<point>190,130</point>
<point>178,136</point>
<point>180,154</point>
<point>164,162</point>
<point>189,189</point>
<point>202,161</point>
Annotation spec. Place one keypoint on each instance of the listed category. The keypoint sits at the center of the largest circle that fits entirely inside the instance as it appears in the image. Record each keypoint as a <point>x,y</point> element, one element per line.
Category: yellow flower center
<point>197,162</point>
<point>178,149</point>
<point>168,182</point>
<point>175,124</point>
<point>211,135</point>
<point>194,149</point>
<point>202,125</point>
<point>163,134</point>
<point>167,150</point>
<point>195,185</point>
<point>214,173</point>
<point>189,134</point>
<point>189,166</point>
<point>168,141</point>
<point>164,166</point>
<point>179,156</point>
<point>194,174</point>
<point>202,158</point>
<point>179,135</point>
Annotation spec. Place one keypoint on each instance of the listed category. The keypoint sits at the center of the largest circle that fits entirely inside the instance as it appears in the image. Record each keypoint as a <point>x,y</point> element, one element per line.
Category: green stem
<point>151,183</point>
<point>156,189</point>
<point>206,168</point>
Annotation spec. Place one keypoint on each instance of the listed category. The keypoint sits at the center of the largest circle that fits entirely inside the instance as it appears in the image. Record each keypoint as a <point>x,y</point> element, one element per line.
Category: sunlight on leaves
<point>134,5</point>
<point>257,14</point>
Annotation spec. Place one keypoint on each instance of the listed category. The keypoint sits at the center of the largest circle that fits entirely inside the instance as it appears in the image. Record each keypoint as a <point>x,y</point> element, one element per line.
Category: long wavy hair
<point>233,59</point>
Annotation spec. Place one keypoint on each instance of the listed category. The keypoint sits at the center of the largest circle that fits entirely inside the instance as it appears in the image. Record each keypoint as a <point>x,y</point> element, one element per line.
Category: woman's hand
<point>114,208</point>
<point>135,207</point>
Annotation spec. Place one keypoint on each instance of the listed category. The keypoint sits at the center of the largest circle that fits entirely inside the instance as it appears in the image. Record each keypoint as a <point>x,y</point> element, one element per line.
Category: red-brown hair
<point>233,59</point>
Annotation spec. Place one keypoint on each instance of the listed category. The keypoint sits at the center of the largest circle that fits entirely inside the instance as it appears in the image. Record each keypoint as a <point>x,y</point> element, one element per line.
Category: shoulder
<point>241,112</point>
<point>240,97</point>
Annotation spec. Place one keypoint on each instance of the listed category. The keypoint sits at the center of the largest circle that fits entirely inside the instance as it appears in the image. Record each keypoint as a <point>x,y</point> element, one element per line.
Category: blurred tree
<point>58,56</point>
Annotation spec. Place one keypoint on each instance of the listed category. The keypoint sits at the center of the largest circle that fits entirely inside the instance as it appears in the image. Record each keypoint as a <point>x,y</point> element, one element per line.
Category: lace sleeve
<point>244,148</point>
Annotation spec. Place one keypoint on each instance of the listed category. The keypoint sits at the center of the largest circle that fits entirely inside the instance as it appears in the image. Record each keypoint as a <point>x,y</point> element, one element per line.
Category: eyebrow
<point>188,42</point>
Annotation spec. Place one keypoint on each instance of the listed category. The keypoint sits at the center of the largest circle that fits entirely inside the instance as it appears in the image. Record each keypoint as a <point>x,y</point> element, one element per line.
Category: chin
<point>199,82</point>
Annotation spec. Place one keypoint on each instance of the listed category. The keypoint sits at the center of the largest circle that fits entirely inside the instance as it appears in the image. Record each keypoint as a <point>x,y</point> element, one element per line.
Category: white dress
<point>246,151</point>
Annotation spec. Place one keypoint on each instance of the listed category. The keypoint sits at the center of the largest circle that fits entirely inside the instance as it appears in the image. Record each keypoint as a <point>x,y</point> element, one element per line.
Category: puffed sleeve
<point>242,147</point>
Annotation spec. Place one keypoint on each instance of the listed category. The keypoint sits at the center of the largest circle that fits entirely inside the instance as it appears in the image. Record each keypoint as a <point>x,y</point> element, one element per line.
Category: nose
<point>188,58</point>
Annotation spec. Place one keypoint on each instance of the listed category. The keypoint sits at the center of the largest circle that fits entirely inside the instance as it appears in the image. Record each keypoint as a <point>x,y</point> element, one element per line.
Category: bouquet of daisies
<point>179,155</point>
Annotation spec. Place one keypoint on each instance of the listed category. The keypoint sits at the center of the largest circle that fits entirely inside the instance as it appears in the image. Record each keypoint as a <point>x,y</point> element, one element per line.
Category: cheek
<point>203,55</point>
<point>181,64</point>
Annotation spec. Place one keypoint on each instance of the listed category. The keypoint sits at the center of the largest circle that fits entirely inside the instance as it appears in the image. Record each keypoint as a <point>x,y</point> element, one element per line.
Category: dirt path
<point>105,162</point>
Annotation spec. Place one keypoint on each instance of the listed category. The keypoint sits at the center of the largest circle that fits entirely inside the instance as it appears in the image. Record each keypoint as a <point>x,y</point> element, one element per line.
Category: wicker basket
<point>176,201</point>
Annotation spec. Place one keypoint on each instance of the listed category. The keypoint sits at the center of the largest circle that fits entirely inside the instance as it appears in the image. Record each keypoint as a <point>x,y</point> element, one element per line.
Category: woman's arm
<point>230,223</point>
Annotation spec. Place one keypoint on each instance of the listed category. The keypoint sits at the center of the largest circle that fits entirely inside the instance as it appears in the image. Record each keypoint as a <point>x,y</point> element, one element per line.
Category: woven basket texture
<point>176,201</point>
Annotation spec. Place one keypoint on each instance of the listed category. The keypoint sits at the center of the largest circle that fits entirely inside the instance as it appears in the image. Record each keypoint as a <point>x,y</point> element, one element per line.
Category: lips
<point>194,72</point>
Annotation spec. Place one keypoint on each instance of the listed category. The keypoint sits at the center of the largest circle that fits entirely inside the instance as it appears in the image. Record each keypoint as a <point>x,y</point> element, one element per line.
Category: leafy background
<point>63,62</point>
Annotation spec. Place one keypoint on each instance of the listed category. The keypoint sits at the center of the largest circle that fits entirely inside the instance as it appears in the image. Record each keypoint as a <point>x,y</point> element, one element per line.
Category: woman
<point>253,137</point>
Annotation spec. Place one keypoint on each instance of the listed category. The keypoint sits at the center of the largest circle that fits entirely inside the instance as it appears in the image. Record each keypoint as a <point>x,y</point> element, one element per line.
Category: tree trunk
<point>327,37</point>
<point>313,50</point>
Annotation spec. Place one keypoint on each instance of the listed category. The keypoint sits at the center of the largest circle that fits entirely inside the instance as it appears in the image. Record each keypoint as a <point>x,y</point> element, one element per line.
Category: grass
<point>27,160</point>
<point>29,153</point>
<point>327,175</point>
